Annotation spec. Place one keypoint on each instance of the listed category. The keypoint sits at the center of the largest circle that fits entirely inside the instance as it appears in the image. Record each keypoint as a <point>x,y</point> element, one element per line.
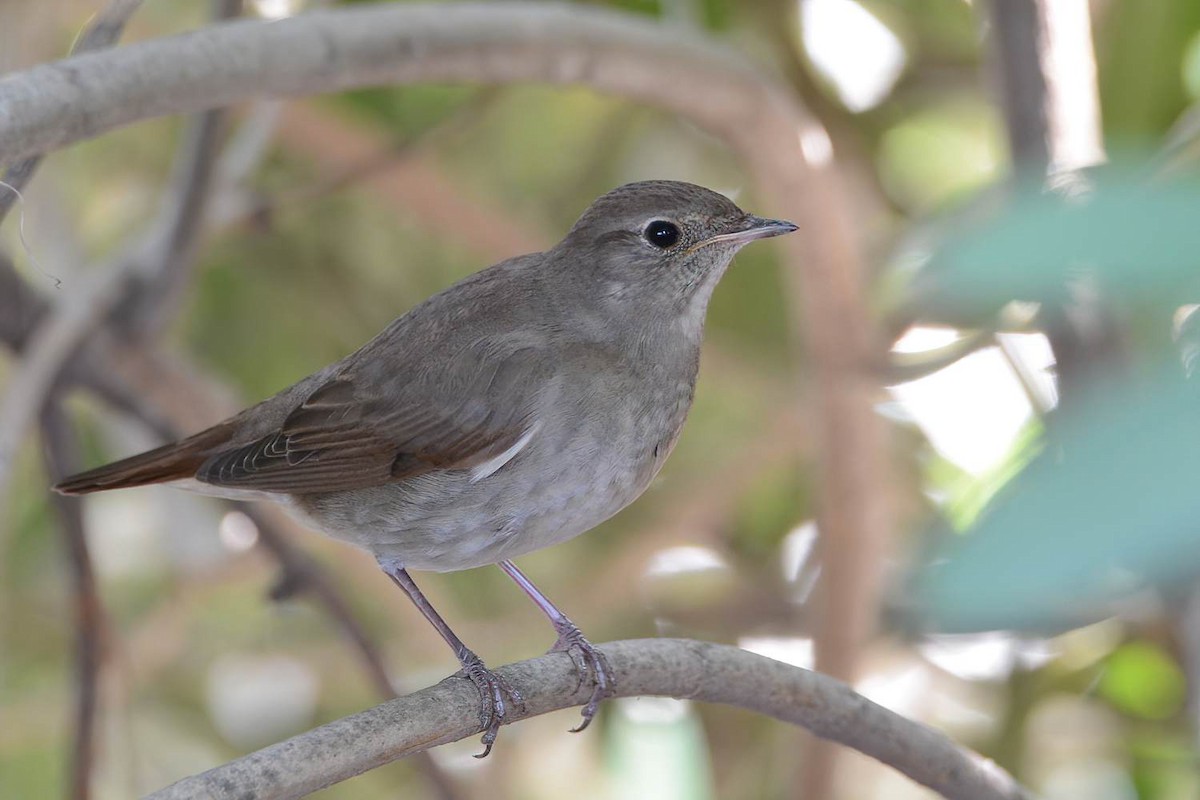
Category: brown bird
<point>517,409</point>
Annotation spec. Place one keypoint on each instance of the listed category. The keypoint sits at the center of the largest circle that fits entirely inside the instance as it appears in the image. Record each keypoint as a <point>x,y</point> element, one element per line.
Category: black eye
<point>661,233</point>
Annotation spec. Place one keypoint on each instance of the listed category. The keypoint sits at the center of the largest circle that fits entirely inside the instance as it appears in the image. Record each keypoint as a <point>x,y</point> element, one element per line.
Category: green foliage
<point>1142,45</point>
<point>1143,680</point>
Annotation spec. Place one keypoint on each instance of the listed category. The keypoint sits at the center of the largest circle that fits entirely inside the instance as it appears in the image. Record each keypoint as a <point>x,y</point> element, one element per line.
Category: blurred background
<point>1021,178</point>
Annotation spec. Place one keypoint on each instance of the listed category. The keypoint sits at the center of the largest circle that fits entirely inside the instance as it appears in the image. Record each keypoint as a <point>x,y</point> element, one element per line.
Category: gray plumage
<point>586,355</point>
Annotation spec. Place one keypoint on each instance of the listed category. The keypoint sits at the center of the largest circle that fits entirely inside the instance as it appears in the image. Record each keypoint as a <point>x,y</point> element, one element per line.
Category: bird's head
<point>663,241</point>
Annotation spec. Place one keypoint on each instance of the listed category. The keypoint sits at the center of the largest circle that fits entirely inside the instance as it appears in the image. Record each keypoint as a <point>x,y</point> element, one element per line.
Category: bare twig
<point>152,300</point>
<point>151,304</point>
<point>103,31</point>
<point>51,346</point>
<point>301,574</point>
<point>667,667</point>
<point>62,459</point>
<point>902,367</point>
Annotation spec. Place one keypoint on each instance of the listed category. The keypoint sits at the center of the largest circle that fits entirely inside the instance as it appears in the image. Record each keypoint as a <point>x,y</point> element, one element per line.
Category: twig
<point>103,31</point>
<point>713,673</point>
<point>358,158</point>
<point>62,459</point>
<point>51,346</point>
<point>903,367</point>
<point>151,303</point>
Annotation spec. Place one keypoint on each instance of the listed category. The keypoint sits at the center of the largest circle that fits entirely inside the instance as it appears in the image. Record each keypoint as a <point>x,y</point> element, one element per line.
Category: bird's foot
<point>495,694</point>
<point>588,661</point>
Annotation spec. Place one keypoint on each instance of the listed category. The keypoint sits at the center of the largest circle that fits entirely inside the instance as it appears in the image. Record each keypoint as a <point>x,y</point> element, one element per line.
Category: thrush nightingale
<point>520,407</point>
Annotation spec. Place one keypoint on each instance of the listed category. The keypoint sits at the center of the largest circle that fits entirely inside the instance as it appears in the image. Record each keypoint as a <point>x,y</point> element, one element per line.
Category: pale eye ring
<point>661,233</point>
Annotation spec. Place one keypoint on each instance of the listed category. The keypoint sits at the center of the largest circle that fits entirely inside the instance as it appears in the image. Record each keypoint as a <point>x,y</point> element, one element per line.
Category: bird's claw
<point>494,695</point>
<point>588,661</point>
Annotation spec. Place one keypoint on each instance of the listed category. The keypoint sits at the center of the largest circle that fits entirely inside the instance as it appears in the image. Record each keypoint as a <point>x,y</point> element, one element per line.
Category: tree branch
<point>715,673</point>
<point>103,31</point>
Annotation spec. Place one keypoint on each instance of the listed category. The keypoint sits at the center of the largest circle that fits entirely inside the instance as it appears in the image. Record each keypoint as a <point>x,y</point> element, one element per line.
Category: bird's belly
<point>443,521</point>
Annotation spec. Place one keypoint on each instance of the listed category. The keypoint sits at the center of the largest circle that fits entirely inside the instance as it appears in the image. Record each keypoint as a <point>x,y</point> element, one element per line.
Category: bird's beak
<point>751,228</point>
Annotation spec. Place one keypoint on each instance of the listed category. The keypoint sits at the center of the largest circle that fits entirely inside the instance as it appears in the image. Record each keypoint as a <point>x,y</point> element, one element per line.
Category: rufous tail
<point>167,463</point>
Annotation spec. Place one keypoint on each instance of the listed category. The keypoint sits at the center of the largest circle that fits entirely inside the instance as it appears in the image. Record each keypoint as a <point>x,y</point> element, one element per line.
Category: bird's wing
<point>364,428</point>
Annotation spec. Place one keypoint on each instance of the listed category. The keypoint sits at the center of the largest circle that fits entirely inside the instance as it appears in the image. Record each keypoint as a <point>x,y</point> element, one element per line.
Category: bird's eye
<point>662,234</point>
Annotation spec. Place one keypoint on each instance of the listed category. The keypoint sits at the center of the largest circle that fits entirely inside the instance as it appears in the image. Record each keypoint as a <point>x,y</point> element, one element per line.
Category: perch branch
<point>666,667</point>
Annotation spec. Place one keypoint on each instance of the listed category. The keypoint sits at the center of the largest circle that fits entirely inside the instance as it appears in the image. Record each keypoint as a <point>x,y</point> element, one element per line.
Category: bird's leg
<point>493,690</point>
<point>588,659</point>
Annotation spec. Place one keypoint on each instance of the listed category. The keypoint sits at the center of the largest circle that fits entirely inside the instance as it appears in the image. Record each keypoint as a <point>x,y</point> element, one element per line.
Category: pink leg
<point>492,688</point>
<point>572,642</point>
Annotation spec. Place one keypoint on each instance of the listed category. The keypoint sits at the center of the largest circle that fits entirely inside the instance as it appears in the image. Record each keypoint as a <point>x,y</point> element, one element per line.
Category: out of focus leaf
<point>1112,505</point>
<point>1141,45</point>
<point>1140,241</point>
<point>1144,681</point>
<point>941,152</point>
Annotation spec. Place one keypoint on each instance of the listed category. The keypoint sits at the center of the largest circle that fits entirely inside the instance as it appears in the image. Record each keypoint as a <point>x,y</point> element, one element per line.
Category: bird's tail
<point>170,462</point>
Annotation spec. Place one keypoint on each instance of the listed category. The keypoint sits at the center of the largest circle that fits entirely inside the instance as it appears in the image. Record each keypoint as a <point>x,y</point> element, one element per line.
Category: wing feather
<point>360,429</point>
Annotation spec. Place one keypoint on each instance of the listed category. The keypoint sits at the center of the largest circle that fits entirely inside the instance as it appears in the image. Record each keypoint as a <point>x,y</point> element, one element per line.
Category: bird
<point>517,409</point>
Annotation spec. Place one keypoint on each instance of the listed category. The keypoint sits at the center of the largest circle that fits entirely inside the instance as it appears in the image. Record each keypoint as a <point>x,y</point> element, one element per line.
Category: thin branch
<point>712,673</point>
<point>62,458</point>
<point>904,367</point>
<point>103,31</point>
<point>51,346</point>
<point>151,304</point>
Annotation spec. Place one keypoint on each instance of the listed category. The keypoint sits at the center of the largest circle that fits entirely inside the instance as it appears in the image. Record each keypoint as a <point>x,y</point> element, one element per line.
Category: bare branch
<point>62,459</point>
<point>52,105</point>
<point>103,31</point>
<point>50,347</point>
<point>713,673</point>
